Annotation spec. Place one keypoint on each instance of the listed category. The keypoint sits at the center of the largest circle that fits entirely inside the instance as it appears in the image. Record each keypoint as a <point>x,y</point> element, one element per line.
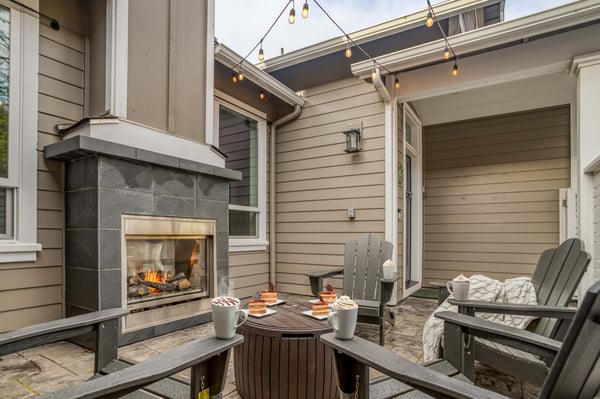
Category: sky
<point>240,24</point>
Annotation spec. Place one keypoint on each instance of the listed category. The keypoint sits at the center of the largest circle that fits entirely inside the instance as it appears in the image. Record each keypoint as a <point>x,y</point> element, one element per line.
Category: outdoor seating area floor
<point>29,373</point>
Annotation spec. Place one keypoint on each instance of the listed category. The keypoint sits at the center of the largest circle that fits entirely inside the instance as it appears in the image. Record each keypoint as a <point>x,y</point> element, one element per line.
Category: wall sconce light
<point>352,140</point>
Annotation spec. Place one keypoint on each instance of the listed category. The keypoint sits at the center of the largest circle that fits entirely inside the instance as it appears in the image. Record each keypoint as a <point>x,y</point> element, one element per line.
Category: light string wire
<point>448,46</point>
<point>437,22</point>
<point>239,64</point>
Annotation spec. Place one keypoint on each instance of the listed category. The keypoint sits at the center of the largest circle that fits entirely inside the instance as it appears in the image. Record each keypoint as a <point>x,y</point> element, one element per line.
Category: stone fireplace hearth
<point>106,181</point>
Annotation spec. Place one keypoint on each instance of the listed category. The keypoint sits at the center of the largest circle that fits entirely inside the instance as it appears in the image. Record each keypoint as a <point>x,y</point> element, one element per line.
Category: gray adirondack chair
<point>363,280</point>
<point>555,279</point>
<point>574,372</point>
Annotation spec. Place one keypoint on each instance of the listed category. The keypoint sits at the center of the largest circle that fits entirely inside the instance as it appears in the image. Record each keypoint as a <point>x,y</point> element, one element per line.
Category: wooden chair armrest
<point>554,312</point>
<point>442,290</point>
<point>387,288</point>
<point>506,335</point>
<point>363,352</point>
<point>316,279</point>
<point>190,354</point>
<point>56,330</point>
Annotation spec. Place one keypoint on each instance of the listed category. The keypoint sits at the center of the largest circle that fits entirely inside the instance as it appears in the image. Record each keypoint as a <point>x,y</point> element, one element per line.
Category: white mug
<point>225,319</point>
<point>459,289</point>
<point>343,322</point>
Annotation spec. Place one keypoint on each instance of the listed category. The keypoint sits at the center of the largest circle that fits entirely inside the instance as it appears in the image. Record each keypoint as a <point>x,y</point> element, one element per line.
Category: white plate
<point>319,317</point>
<point>269,313</point>
<point>279,301</point>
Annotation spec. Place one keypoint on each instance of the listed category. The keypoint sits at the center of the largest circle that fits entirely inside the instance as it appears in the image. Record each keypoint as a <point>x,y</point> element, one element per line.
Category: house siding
<point>317,181</point>
<point>32,292</point>
<point>491,192</point>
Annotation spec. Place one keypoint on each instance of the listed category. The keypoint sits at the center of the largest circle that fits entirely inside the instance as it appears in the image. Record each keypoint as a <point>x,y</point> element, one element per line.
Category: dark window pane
<point>238,139</point>
<point>6,230</point>
<point>242,224</point>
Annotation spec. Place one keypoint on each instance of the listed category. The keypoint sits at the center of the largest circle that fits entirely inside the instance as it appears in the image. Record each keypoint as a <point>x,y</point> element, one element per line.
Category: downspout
<point>272,233</point>
<point>391,171</point>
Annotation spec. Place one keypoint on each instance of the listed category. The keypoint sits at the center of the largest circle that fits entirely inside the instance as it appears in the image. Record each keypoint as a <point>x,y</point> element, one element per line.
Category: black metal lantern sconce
<point>352,140</point>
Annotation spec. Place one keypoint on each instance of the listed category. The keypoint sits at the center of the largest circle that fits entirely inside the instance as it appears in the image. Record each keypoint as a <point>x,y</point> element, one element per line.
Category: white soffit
<point>566,16</point>
<point>230,59</point>
<point>375,32</point>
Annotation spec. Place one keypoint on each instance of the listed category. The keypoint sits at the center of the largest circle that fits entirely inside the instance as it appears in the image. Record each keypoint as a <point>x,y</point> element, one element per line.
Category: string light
<point>448,50</point>
<point>374,72</point>
<point>396,82</point>
<point>261,95</point>
<point>240,75</point>
<point>429,20</point>
<point>305,10</point>
<point>234,78</point>
<point>348,51</point>
<point>292,16</point>
<point>261,53</point>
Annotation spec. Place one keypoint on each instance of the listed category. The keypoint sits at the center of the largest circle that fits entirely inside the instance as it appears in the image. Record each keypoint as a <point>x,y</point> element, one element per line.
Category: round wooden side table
<point>282,356</point>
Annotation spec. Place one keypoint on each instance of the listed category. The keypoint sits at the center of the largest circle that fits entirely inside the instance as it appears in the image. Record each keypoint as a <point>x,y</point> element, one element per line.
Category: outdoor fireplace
<point>167,261</point>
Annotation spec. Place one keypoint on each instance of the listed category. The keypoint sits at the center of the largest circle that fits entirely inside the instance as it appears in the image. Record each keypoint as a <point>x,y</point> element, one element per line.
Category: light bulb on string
<point>396,83</point>
<point>240,75</point>
<point>374,73</point>
<point>261,95</point>
<point>292,16</point>
<point>261,54</point>
<point>348,51</point>
<point>446,53</point>
<point>234,78</point>
<point>305,10</point>
<point>429,20</point>
<point>455,70</point>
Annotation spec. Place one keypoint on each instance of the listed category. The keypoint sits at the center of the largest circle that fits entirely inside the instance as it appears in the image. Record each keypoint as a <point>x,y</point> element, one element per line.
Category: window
<point>18,133</point>
<point>242,138</point>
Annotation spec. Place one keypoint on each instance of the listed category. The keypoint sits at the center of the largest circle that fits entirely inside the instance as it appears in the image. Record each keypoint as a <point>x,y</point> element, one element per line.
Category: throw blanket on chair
<point>515,290</point>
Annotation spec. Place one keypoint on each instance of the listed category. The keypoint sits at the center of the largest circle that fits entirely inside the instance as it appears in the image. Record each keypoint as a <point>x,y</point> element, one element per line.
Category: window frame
<point>22,133</point>
<point>258,243</point>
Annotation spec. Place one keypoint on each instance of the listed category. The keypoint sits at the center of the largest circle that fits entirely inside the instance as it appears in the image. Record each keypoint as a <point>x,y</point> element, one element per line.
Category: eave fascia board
<point>230,59</point>
<point>397,25</point>
<point>556,19</point>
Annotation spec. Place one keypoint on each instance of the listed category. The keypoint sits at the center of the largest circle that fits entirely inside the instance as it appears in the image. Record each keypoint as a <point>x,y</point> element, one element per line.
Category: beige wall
<point>33,292</point>
<point>491,192</point>
<point>167,66</point>
<point>317,181</point>
<point>596,243</point>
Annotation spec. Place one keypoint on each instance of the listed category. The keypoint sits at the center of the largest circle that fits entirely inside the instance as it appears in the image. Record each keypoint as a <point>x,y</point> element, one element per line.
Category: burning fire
<point>155,277</point>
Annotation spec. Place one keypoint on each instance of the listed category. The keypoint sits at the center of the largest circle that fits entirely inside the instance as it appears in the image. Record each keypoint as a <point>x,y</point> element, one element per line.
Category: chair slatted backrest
<point>575,372</point>
<point>556,277</point>
<point>363,260</point>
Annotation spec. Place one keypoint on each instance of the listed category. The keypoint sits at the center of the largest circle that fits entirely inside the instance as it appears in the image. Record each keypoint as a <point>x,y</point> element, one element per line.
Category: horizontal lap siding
<point>491,192</point>
<point>33,292</point>
<point>317,181</point>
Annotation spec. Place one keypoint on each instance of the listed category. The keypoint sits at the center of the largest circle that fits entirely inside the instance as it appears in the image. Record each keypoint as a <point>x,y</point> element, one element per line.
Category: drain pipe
<point>391,171</point>
<point>272,233</point>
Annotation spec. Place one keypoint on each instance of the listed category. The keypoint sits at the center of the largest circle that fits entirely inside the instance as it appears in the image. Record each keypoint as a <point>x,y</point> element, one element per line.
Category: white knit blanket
<point>515,290</point>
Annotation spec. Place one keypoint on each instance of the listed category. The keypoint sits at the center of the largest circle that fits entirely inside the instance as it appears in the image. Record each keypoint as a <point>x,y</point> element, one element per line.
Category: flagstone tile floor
<point>29,373</point>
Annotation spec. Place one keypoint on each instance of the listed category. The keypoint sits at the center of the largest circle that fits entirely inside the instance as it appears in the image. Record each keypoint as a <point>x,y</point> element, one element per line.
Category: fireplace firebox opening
<point>169,268</point>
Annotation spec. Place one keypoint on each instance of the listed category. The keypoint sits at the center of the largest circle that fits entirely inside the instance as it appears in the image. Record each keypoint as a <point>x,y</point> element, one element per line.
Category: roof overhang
<point>486,38</point>
<point>375,32</point>
<point>231,59</point>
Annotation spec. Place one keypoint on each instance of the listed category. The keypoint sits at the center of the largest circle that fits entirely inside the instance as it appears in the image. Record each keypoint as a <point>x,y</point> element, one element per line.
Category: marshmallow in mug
<point>343,318</point>
<point>459,287</point>
<point>388,269</point>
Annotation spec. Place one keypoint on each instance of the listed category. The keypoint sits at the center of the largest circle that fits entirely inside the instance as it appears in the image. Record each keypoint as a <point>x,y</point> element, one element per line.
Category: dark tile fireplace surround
<point>105,180</point>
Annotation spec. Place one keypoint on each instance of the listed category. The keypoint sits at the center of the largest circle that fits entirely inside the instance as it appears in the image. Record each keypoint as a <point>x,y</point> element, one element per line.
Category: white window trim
<point>259,243</point>
<point>23,124</point>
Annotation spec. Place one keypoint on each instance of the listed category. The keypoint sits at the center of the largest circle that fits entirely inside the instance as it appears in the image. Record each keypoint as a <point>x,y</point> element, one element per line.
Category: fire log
<point>183,284</point>
<point>161,286</point>
<point>134,280</point>
<point>138,290</point>
<point>177,277</point>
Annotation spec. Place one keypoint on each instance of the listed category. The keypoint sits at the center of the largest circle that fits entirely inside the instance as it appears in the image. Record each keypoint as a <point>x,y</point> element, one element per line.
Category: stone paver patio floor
<point>29,373</point>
